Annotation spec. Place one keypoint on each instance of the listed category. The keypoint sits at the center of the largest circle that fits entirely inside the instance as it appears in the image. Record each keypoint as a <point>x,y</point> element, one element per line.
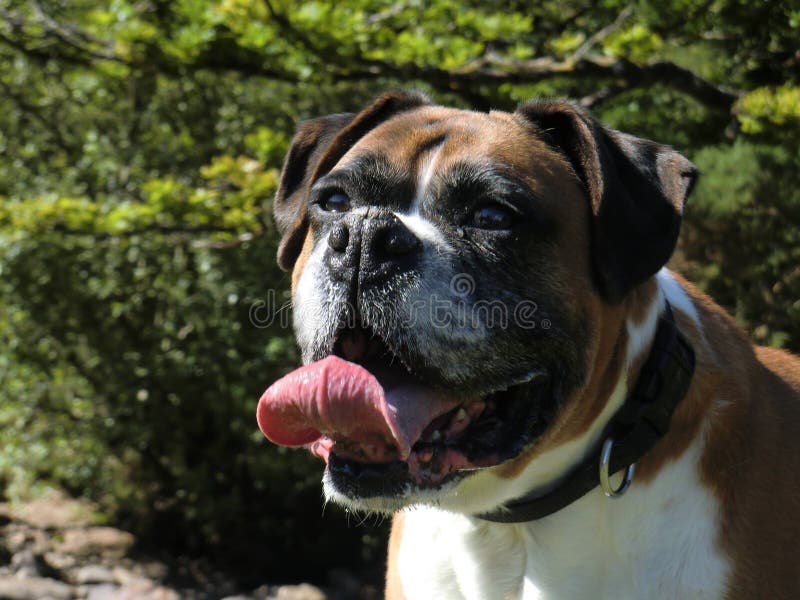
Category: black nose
<point>387,238</point>
<point>339,237</point>
<point>380,245</point>
<point>388,247</point>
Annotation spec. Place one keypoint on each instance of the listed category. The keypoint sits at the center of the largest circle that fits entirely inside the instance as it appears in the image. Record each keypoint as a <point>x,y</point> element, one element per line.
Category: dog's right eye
<point>336,202</point>
<point>492,216</point>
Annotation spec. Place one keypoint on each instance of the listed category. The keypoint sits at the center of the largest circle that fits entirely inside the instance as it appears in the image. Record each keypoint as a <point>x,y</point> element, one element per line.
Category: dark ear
<point>309,144</point>
<point>315,149</point>
<point>636,188</point>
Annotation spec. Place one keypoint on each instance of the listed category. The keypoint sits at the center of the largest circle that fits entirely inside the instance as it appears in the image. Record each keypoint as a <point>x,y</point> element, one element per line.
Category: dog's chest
<point>657,542</point>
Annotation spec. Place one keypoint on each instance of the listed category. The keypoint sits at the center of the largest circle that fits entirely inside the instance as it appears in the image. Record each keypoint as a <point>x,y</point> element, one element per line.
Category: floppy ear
<point>636,188</point>
<point>315,149</point>
<point>309,143</point>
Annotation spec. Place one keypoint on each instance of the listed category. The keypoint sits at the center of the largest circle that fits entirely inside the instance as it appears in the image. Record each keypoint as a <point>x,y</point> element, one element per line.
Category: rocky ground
<point>50,550</point>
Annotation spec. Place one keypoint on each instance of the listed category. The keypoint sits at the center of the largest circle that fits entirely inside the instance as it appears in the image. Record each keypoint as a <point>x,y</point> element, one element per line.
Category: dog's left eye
<point>336,202</point>
<point>492,216</point>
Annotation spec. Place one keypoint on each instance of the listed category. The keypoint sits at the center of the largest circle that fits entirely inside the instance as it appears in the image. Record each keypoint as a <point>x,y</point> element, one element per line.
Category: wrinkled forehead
<point>432,140</point>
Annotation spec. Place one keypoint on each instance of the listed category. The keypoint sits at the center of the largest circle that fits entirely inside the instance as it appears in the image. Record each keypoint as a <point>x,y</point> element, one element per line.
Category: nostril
<point>399,240</point>
<point>339,237</point>
<point>388,248</point>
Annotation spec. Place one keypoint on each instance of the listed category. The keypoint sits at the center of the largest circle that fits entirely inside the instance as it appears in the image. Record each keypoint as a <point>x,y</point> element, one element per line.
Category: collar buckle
<point>605,476</point>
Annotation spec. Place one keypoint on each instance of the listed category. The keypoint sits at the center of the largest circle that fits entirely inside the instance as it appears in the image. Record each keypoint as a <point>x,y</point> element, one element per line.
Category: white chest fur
<point>658,542</point>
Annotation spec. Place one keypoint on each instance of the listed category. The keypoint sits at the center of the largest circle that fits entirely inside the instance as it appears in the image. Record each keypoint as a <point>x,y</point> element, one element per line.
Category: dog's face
<point>465,268</point>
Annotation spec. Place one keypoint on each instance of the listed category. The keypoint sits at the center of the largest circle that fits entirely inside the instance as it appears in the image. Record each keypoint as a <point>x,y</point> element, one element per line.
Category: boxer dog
<point>495,354</point>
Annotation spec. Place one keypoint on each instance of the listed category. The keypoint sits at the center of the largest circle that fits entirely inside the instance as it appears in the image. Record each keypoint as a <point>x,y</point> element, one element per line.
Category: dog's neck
<point>575,552</point>
<point>623,343</point>
<point>632,431</point>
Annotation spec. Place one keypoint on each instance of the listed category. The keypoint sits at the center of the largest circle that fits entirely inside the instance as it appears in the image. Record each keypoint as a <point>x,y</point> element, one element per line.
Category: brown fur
<point>300,263</point>
<point>752,456</point>
<point>394,588</point>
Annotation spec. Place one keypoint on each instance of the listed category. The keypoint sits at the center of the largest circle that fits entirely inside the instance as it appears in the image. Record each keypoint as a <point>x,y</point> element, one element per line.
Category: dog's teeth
<point>459,423</point>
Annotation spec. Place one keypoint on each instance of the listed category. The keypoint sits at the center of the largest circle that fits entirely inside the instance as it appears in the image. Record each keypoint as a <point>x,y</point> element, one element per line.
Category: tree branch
<point>492,70</point>
<point>51,30</point>
<point>603,95</point>
<point>602,34</point>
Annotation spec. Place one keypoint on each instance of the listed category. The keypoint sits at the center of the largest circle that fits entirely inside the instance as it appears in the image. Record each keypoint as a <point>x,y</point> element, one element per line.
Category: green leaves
<point>636,42</point>
<point>776,108</point>
<point>232,203</point>
<point>743,238</point>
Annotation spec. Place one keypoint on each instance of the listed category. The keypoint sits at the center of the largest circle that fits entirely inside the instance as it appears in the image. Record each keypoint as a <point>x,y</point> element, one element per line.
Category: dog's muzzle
<point>370,249</point>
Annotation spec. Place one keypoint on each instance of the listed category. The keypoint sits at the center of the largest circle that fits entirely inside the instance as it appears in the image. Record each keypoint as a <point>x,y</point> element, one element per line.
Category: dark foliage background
<point>139,148</point>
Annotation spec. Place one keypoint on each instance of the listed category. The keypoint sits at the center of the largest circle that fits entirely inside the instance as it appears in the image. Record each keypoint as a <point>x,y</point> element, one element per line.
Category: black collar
<point>635,428</point>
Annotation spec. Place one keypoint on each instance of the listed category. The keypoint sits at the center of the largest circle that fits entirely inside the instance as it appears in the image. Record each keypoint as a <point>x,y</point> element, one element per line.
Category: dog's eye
<point>336,202</point>
<point>492,216</point>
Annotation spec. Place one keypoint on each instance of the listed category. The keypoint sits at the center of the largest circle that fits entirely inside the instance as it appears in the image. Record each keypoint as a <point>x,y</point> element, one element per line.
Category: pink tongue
<point>343,401</point>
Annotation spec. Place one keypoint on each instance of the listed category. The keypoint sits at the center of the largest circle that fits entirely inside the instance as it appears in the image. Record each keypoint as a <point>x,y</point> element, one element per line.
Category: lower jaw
<point>429,468</point>
<point>395,479</point>
<point>385,480</point>
<point>397,476</point>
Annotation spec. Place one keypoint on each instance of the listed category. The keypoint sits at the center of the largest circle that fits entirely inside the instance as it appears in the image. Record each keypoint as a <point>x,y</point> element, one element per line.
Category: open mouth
<point>379,427</point>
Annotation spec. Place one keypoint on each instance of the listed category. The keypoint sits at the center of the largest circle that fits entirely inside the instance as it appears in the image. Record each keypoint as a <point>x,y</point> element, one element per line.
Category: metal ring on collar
<point>605,477</point>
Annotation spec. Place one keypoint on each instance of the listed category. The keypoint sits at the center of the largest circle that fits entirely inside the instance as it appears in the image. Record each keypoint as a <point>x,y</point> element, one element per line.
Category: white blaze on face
<point>310,301</point>
<point>421,227</point>
<point>425,231</point>
<point>426,171</point>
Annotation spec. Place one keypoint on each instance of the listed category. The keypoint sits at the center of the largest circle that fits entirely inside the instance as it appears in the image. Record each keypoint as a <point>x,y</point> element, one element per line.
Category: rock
<point>94,574</point>
<point>53,512</point>
<point>163,593</point>
<point>15,541</point>
<point>137,591</point>
<point>27,563</point>
<point>33,588</point>
<point>60,562</point>
<point>134,591</point>
<point>303,591</point>
<point>46,546</point>
<point>23,564</point>
<point>153,569</point>
<point>18,538</point>
<point>140,592</point>
<point>107,541</point>
<point>263,592</point>
<point>126,577</point>
<point>104,591</point>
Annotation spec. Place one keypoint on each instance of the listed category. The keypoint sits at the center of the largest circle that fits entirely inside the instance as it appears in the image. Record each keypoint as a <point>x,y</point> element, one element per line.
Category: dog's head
<point>461,286</point>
